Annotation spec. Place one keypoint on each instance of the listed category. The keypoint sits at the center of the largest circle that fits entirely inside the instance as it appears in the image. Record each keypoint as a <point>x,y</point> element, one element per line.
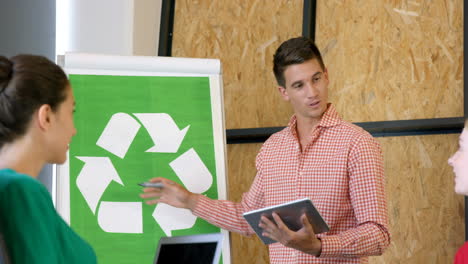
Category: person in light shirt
<point>459,162</point>
<point>336,164</point>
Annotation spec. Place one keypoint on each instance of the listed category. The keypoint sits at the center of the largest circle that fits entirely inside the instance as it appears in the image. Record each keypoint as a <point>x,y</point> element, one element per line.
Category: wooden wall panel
<point>426,216</point>
<point>393,59</point>
<point>244,35</point>
<point>387,60</point>
<point>241,172</point>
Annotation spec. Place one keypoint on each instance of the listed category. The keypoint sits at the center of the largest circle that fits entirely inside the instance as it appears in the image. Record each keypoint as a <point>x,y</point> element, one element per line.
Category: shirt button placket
<point>299,172</point>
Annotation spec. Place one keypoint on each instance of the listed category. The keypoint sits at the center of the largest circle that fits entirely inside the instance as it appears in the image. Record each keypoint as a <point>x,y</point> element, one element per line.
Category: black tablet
<point>290,213</point>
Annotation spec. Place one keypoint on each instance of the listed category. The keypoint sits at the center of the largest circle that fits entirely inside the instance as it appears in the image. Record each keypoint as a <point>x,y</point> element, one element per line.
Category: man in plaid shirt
<point>319,156</point>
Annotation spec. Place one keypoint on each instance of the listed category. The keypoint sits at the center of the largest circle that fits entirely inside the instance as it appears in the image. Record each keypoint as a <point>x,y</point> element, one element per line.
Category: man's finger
<point>148,195</point>
<point>269,234</point>
<point>266,221</point>
<point>279,222</point>
<point>151,202</point>
<point>306,223</point>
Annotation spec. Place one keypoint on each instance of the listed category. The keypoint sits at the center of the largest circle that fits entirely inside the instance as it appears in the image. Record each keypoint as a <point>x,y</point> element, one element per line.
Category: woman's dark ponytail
<point>26,83</point>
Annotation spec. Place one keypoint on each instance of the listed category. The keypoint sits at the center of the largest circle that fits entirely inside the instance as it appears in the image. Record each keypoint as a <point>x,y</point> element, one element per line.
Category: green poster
<point>130,129</point>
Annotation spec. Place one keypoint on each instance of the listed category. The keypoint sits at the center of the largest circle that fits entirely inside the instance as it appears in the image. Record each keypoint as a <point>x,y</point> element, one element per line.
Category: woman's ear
<point>44,115</point>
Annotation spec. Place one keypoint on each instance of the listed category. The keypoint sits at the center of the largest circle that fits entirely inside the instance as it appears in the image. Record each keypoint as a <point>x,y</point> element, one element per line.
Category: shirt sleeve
<point>367,193</point>
<point>227,214</point>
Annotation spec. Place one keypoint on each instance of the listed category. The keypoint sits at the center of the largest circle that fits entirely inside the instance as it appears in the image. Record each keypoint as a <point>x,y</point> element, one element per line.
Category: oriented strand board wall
<point>393,59</point>
<point>387,60</point>
<point>241,171</point>
<point>244,35</point>
<point>426,216</point>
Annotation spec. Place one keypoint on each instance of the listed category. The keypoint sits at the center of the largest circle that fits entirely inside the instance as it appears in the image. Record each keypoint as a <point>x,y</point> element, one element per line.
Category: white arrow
<point>94,178</point>
<point>163,130</point>
<point>192,172</point>
<point>121,217</point>
<point>119,134</point>
<point>170,218</point>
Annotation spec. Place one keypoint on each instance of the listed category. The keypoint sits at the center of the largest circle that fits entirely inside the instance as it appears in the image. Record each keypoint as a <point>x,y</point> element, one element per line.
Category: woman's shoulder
<point>23,190</point>
<point>12,180</point>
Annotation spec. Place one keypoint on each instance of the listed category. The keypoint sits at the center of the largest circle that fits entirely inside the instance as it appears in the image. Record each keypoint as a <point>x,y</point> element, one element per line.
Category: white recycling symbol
<point>98,172</point>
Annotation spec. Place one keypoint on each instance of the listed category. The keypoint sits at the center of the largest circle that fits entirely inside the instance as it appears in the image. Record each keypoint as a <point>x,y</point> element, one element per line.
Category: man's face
<point>306,88</point>
<point>459,162</point>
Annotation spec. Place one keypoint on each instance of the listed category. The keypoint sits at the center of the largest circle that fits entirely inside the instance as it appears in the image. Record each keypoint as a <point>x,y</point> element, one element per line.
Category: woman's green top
<point>31,227</point>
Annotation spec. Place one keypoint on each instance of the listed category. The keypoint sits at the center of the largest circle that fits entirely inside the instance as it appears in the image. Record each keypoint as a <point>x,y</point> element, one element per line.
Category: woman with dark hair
<point>459,162</point>
<point>36,127</point>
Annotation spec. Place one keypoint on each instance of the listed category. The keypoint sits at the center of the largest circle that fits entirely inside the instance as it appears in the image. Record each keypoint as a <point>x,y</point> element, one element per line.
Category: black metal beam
<point>413,127</point>
<point>376,129</point>
<point>166,28</point>
<point>250,135</point>
<point>308,19</point>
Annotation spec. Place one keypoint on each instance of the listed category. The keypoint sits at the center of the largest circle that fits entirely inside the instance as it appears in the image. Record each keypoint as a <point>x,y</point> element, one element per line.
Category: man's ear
<point>283,93</point>
<point>44,115</point>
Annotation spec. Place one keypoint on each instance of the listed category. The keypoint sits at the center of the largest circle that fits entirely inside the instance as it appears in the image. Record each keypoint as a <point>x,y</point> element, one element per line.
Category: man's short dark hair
<point>294,51</point>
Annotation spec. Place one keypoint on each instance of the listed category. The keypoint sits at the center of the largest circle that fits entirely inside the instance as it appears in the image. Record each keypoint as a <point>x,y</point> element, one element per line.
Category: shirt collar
<point>329,119</point>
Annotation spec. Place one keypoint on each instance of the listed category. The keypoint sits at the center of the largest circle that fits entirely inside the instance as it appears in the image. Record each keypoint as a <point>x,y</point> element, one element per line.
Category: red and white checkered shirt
<point>340,170</point>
